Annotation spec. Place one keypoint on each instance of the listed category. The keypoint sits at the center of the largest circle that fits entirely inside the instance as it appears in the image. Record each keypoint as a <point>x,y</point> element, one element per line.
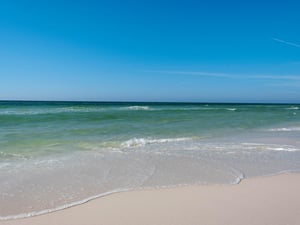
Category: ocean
<point>54,155</point>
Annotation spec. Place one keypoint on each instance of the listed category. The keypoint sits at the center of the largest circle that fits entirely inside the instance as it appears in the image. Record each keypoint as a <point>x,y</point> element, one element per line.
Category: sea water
<point>55,155</point>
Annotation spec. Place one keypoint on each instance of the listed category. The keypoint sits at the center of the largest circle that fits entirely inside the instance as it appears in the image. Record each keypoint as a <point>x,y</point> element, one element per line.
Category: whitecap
<point>231,109</point>
<point>293,108</point>
<point>50,111</point>
<point>137,107</point>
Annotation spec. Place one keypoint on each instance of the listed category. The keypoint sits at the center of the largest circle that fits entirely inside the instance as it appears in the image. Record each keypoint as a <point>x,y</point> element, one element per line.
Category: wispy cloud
<point>231,76</point>
<point>273,77</point>
<point>197,73</point>
<point>294,84</point>
<point>286,42</point>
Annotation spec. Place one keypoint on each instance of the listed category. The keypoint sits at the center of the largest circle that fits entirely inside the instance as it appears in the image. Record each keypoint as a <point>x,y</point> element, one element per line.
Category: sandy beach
<point>273,200</point>
<point>149,113</point>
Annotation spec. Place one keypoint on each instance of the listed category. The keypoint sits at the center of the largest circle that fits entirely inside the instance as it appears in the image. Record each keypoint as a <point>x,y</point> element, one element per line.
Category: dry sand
<point>271,200</point>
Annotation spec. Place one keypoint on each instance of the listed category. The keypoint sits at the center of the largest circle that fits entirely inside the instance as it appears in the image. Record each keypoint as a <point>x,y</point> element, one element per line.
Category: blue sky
<point>211,51</point>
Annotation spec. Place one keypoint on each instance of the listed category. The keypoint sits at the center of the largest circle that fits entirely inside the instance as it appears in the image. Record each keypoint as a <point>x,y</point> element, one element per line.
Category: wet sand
<point>273,200</point>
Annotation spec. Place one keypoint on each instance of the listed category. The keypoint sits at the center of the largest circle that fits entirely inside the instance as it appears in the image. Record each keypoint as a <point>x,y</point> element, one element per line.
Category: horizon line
<point>132,101</point>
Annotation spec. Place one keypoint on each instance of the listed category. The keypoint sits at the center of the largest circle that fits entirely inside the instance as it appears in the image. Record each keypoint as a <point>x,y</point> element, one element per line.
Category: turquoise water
<point>57,154</point>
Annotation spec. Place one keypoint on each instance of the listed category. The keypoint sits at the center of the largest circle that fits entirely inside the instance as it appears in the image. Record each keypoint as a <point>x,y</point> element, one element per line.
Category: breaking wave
<point>293,108</point>
<point>137,142</point>
<point>137,107</point>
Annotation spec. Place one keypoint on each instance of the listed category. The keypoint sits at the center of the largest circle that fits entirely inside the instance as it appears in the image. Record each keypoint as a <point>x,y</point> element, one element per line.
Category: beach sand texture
<point>273,200</point>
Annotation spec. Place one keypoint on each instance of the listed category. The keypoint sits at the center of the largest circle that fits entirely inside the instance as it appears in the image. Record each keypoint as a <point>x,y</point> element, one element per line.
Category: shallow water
<point>57,154</point>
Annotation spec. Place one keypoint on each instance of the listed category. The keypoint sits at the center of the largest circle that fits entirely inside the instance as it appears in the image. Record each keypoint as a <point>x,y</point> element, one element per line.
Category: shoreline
<point>275,195</point>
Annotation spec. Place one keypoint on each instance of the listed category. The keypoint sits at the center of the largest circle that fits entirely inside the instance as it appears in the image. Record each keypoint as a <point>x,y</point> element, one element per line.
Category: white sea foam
<point>237,180</point>
<point>37,213</point>
<point>270,147</point>
<point>285,129</point>
<point>137,142</point>
<point>251,144</point>
<point>293,108</point>
<point>241,176</point>
<point>12,155</point>
<point>137,107</point>
<point>231,109</point>
<point>3,165</point>
<point>237,173</point>
<point>286,149</point>
<point>187,109</point>
<point>50,111</point>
